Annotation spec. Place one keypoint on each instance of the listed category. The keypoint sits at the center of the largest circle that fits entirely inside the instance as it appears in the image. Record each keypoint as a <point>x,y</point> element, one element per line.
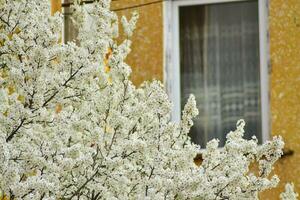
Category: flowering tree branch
<point>73,126</point>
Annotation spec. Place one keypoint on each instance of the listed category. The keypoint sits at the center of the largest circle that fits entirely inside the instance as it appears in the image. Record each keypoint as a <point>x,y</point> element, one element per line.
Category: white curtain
<point>219,53</point>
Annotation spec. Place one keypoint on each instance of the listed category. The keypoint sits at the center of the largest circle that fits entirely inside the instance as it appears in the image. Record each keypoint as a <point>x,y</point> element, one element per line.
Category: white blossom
<point>289,193</point>
<point>130,25</point>
<point>73,126</point>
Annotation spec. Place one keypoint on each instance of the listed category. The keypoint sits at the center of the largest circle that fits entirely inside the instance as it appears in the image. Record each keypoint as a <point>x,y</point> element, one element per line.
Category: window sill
<point>286,153</point>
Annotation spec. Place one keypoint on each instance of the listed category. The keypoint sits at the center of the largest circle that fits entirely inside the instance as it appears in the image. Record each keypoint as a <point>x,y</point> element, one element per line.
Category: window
<point>220,56</point>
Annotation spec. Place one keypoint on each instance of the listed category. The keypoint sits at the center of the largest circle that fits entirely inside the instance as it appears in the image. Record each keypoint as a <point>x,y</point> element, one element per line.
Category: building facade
<point>241,58</point>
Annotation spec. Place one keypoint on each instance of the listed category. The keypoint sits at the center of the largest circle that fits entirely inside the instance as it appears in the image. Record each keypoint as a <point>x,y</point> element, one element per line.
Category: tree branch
<point>12,134</point>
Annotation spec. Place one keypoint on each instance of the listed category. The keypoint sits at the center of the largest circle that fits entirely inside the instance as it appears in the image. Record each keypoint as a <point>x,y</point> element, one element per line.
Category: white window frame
<point>172,56</point>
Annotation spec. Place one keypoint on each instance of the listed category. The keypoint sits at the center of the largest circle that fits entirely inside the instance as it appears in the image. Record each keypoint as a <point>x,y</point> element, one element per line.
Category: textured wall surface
<point>146,57</point>
<point>55,6</point>
<point>285,87</point>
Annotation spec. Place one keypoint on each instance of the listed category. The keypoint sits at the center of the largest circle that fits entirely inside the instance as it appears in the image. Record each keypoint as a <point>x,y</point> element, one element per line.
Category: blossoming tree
<point>73,126</point>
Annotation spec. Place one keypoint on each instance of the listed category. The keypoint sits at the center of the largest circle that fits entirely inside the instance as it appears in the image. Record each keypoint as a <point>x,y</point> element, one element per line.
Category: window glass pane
<point>219,63</point>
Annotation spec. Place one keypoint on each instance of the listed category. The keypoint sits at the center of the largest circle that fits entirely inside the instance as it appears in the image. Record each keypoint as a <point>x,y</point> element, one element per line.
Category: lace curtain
<point>219,53</point>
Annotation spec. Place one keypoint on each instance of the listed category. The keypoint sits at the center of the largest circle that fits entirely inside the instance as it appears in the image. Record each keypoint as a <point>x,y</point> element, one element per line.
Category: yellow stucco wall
<point>146,58</point>
<point>284,21</point>
<point>55,6</point>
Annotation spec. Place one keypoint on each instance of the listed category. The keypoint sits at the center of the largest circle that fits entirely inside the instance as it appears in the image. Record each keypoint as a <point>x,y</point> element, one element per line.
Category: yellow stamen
<point>58,108</point>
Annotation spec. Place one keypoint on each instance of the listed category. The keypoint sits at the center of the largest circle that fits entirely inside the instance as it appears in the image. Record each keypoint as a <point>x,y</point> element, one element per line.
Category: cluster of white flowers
<point>289,193</point>
<point>73,126</point>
